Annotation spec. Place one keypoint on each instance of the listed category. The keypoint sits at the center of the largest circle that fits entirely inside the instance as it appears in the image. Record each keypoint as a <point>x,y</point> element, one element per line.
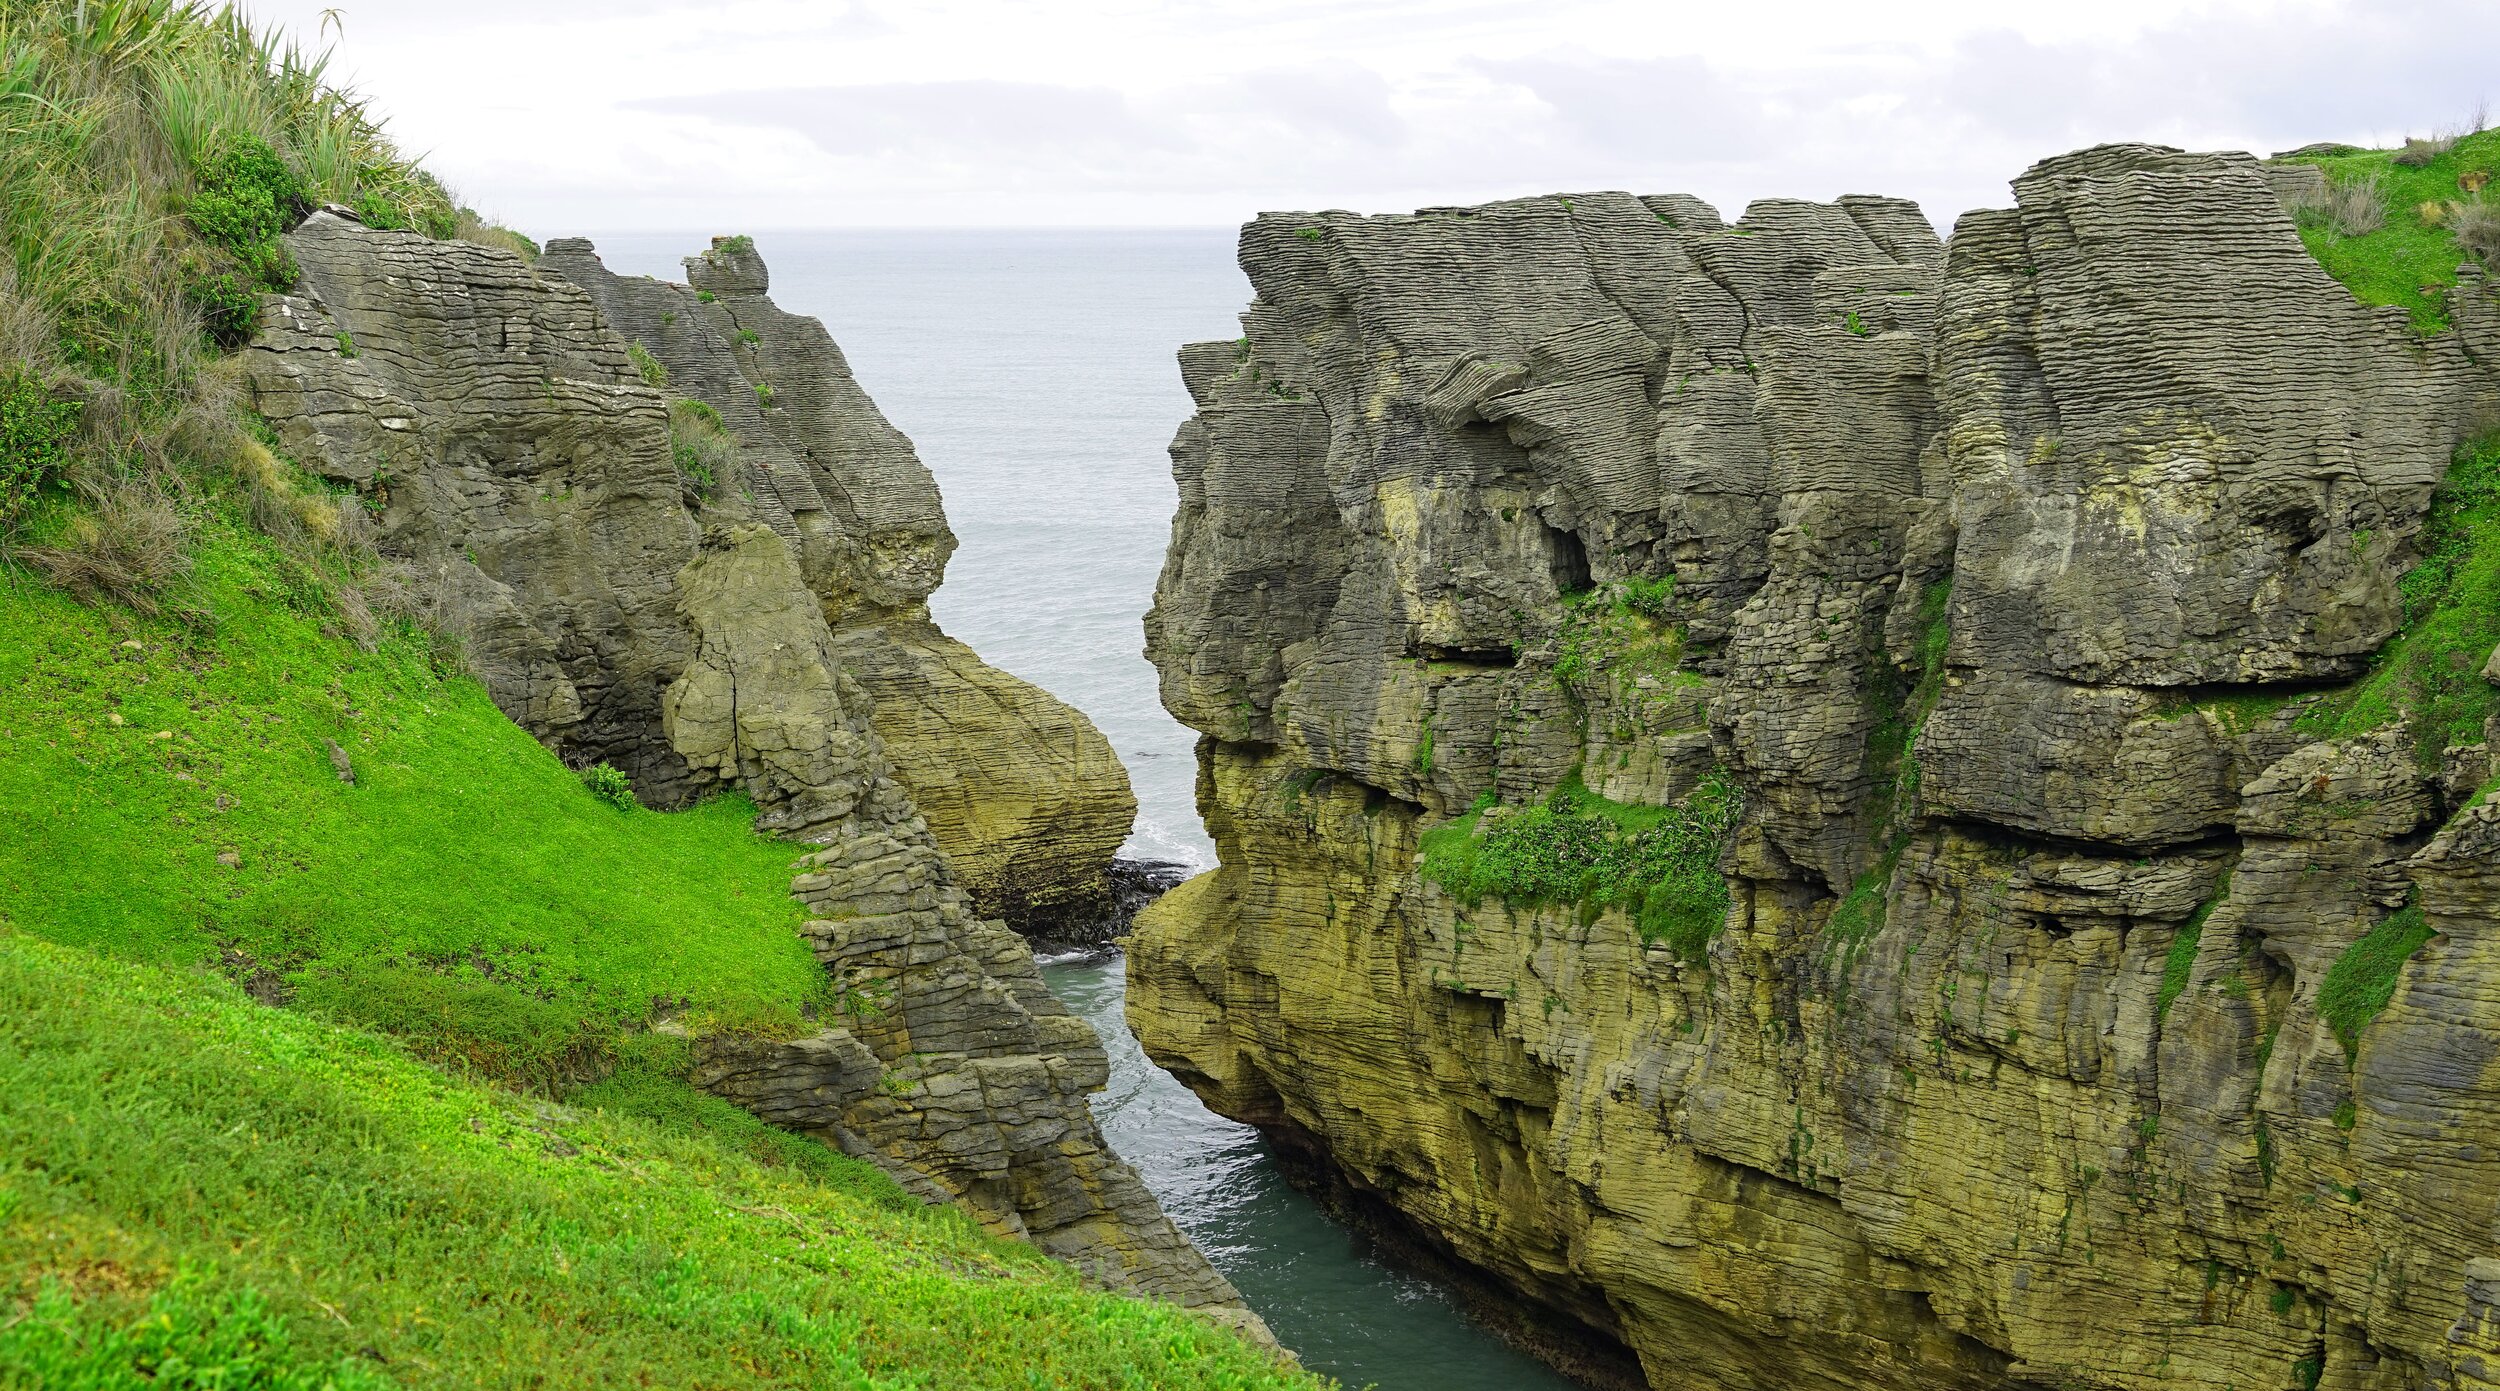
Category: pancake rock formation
<point>1790,799</point>
<point>763,628</point>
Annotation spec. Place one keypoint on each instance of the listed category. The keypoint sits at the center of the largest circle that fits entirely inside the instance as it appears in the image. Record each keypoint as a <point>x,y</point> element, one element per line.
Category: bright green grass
<point>1577,847</point>
<point>2432,668</point>
<point>185,1174</point>
<point>2396,264</point>
<point>2363,979</point>
<point>467,893</point>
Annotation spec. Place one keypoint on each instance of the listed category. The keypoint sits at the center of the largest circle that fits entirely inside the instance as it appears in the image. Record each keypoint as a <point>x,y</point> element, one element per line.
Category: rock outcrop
<point>767,633</point>
<point>1023,793</point>
<point>2018,588</point>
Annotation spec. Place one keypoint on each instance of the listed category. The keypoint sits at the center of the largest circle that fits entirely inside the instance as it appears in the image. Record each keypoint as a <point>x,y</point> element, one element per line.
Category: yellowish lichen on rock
<point>2082,1015</point>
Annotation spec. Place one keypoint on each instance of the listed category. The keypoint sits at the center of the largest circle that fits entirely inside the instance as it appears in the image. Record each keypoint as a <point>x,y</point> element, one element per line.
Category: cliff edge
<point>1810,808</point>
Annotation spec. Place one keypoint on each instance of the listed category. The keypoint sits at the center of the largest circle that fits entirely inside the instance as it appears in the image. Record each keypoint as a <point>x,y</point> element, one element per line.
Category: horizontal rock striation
<point>2005,583</point>
<point>767,637</point>
<point>1022,792</point>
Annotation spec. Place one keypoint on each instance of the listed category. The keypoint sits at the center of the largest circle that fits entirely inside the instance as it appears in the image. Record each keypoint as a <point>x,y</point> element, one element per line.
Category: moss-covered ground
<point>286,1197</point>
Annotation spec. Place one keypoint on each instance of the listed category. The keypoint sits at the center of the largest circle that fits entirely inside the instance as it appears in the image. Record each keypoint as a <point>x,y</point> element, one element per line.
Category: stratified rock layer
<point>1023,793</point>
<point>768,639</point>
<point>2001,577</point>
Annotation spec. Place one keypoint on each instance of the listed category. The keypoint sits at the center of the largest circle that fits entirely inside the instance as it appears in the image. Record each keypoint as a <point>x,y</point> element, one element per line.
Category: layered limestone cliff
<point>768,632</point>
<point>2013,593</point>
<point>1023,793</point>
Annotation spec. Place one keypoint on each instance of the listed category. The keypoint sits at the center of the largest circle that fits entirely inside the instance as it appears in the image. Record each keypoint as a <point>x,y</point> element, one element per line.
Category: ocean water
<point>1034,370</point>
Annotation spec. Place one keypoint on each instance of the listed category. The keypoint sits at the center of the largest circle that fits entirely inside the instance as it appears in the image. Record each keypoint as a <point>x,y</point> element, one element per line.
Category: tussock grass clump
<point>129,548</point>
<point>653,373</point>
<point>152,153</point>
<point>2420,152</point>
<point>704,446</point>
<point>1660,863</point>
<point>2349,207</point>
<point>473,228</point>
<point>2476,226</point>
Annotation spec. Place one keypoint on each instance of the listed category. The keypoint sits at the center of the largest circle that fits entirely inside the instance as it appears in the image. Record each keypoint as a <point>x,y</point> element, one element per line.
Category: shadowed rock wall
<point>2001,577</point>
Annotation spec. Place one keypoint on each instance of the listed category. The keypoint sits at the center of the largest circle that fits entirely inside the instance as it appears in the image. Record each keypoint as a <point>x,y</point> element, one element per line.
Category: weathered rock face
<point>495,420</point>
<point>776,640</point>
<point>1022,792</point>
<point>2002,577</point>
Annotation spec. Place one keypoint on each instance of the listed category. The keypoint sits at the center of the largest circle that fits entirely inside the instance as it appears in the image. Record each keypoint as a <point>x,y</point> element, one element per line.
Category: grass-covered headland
<point>326,993</point>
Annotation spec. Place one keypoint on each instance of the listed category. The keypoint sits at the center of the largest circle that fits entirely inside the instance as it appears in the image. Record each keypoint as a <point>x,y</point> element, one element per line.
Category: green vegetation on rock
<point>2410,257</point>
<point>2181,961</point>
<point>702,445</point>
<point>2432,669</point>
<point>1900,703</point>
<point>1659,863</point>
<point>203,1192</point>
<point>2363,979</point>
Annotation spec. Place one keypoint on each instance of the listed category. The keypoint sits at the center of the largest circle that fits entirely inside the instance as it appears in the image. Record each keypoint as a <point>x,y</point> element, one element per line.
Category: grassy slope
<point>469,896</point>
<point>467,889</point>
<point>2410,260</point>
<point>257,1190</point>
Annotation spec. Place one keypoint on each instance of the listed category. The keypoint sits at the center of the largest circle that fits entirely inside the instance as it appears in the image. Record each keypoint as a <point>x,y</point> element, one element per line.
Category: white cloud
<point>562,114</point>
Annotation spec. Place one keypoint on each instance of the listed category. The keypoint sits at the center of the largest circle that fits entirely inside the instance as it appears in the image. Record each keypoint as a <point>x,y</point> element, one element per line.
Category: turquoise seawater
<point>1034,370</point>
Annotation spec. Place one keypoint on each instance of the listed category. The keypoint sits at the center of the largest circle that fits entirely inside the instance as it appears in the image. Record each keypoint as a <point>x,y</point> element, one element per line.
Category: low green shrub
<point>245,198</point>
<point>35,434</point>
<point>610,786</point>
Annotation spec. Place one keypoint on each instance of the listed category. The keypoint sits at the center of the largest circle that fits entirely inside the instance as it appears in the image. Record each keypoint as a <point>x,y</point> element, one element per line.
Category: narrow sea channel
<point>1034,370</point>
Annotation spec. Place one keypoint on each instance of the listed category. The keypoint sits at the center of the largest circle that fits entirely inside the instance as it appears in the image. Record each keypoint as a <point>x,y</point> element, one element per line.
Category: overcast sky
<point>565,115</point>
